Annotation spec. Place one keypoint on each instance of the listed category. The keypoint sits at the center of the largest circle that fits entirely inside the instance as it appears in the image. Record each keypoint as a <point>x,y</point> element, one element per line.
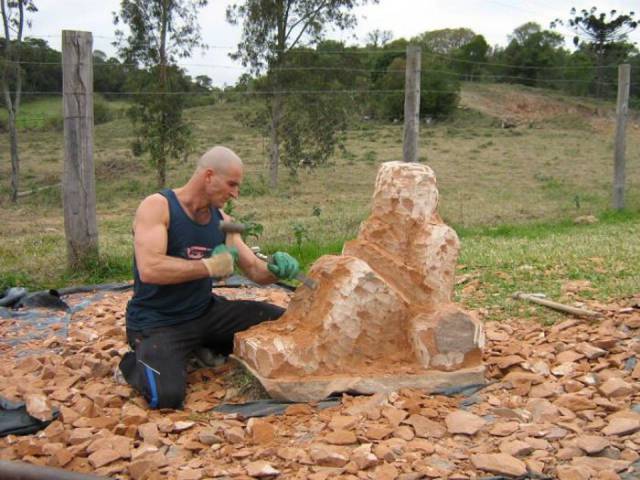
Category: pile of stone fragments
<point>561,402</point>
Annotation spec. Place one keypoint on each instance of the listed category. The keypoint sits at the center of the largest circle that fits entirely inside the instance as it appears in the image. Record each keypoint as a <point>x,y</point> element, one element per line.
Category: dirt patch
<point>522,107</point>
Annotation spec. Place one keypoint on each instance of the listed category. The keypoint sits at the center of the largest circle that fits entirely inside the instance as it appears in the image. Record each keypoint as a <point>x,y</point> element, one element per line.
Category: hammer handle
<point>232,227</point>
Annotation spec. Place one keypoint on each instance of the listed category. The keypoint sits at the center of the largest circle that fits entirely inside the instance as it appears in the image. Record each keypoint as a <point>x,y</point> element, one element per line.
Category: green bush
<point>254,186</point>
<point>54,122</point>
<point>439,91</point>
<point>102,112</point>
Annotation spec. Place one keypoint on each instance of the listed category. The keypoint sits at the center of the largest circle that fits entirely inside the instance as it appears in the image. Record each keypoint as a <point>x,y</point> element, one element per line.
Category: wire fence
<point>217,94</point>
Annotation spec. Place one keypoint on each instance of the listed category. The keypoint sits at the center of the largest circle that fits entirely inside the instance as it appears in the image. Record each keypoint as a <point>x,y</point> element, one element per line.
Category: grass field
<point>510,193</point>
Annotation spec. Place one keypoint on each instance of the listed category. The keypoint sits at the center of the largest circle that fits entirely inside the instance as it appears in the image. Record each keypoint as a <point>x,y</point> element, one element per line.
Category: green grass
<point>36,114</point>
<point>511,194</point>
<point>46,113</point>
<point>542,257</point>
<point>498,261</point>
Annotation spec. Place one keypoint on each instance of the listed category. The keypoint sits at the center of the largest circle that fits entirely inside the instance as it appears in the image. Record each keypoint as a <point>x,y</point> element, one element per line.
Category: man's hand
<point>222,248</point>
<point>220,263</point>
<point>283,266</point>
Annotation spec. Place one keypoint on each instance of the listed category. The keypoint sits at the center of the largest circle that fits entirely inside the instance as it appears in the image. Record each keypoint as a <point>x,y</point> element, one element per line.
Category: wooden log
<point>580,312</point>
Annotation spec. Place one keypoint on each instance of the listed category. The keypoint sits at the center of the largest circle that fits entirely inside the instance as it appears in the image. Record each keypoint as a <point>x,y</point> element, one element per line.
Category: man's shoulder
<point>155,200</point>
<point>155,206</point>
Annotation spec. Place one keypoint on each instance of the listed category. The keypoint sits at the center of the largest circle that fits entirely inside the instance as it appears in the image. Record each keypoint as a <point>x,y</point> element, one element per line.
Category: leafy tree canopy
<point>146,42</point>
<point>446,40</point>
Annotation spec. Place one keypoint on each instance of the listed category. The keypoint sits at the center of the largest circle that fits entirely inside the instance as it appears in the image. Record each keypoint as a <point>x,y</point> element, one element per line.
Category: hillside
<point>553,166</point>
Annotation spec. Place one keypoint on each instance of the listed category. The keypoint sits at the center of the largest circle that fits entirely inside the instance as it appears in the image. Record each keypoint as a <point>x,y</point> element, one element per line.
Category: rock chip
<point>103,457</point>
<point>424,427</point>
<point>38,406</point>
<point>568,472</point>
<point>343,422</point>
<point>209,436</point>
<point>622,426</point>
<point>149,433</point>
<point>601,463</point>
<point>463,422</point>
<point>503,429</point>
<point>363,457</point>
<point>341,437</point>
<point>261,431</point>
<point>516,448</point>
<point>592,444</point>
<point>328,455</point>
<point>574,402</point>
<point>261,469</point>
<point>385,472</point>
<point>499,463</point>
<point>615,387</point>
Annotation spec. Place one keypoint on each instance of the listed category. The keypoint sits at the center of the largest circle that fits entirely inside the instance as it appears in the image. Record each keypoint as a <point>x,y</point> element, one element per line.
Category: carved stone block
<point>381,317</point>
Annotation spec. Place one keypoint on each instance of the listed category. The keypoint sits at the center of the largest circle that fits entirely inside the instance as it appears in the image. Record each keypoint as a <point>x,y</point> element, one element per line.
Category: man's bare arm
<point>150,246</point>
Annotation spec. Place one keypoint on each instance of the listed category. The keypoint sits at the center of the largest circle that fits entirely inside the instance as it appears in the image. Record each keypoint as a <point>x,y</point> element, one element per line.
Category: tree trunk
<point>600,58</point>
<point>12,105</point>
<point>15,160</point>
<point>162,158</point>
<point>274,159</point>
<point>277,102</point>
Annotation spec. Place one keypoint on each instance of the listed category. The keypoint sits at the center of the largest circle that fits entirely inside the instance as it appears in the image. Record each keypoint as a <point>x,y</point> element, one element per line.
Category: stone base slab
<point>315,388</point>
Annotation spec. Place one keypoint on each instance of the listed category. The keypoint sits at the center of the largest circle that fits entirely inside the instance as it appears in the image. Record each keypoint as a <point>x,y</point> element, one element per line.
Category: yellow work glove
<point>220,263</point>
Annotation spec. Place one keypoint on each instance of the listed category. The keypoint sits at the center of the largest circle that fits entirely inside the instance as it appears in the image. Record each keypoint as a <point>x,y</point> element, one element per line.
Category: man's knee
<point>171,397</point>
<point>165,389</point>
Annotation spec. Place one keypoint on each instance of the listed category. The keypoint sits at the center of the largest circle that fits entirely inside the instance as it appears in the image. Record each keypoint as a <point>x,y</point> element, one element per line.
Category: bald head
<point>220,159</point>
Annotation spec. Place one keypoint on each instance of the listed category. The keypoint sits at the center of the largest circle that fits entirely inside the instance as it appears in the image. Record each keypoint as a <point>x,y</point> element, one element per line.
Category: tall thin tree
<point>13,22</point>
<point>270,30</point>
<point>160,32</point>
<point>602,35</point>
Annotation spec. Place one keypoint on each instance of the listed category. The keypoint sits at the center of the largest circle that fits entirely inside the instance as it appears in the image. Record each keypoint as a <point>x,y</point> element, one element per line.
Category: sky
<point>495,19</point>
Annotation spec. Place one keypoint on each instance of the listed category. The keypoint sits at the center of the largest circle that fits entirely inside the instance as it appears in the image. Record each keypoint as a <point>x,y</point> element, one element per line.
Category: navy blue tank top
<point>164,305</point>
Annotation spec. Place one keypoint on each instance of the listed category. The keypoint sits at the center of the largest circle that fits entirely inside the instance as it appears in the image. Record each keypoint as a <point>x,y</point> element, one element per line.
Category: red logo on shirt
<point>197,253</point>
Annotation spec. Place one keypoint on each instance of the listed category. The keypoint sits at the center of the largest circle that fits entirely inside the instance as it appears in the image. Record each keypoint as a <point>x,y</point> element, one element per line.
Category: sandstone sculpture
<point>381,317</point>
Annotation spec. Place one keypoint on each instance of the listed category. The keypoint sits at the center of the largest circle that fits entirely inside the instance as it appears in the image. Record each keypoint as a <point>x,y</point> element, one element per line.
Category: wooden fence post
<point>412,104</point>
<point>78,181</point>
<point>622,112</point>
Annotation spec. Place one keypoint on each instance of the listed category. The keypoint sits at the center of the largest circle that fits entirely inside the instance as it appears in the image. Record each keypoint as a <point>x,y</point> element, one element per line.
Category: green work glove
<point>220,263</point>
<point>283,266</point>
<point>222,248</point>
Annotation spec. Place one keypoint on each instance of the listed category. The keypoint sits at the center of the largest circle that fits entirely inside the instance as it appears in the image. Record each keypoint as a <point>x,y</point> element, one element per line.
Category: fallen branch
<point>35,190</point>
<point>580,312</point>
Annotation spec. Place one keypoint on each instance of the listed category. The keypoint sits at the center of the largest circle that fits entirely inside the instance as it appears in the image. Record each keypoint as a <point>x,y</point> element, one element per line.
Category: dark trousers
<point>157,366</point>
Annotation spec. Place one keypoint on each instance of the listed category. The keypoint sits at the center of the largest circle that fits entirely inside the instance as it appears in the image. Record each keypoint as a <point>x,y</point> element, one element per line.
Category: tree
<point>378,38</point>
<point>109,75</point>
<point>439,89</point>
<point>470,57</point>
<point>41,67</point>
<point>160,32</point>
<point>270,30</point>
<point>530,51</point>
<point>204,83</point>
<point>604,38</point>
<point>446,40</point>
<point>310,71</point>
<point>13,21</point>
<point>635,87</point>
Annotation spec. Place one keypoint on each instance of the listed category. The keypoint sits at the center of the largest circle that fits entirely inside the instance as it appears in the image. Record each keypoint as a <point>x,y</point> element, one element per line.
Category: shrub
<point>439,91</point>
<point>102,112</point>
